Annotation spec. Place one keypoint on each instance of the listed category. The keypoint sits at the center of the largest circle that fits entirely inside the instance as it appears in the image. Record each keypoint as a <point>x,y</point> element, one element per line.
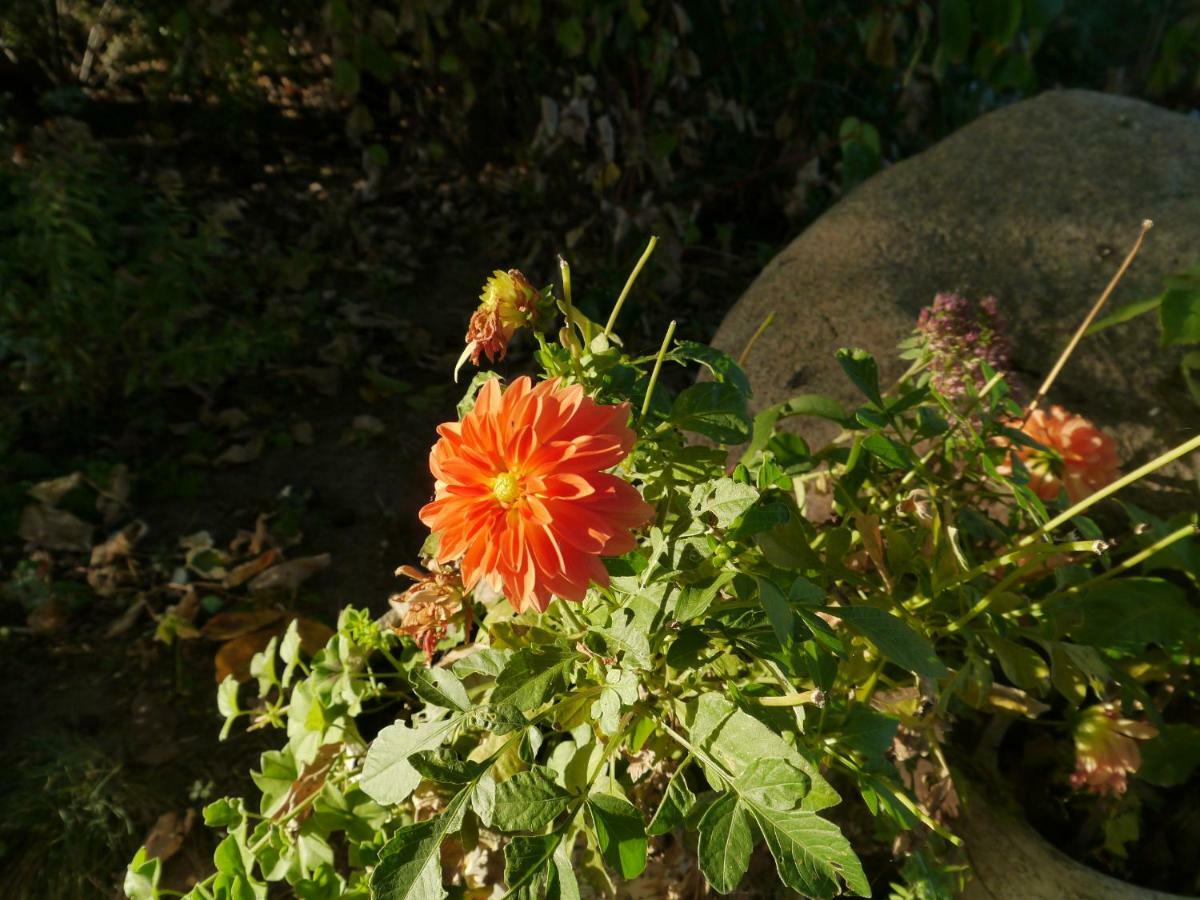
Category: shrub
<point>108,287</point>
<point>799,628</point>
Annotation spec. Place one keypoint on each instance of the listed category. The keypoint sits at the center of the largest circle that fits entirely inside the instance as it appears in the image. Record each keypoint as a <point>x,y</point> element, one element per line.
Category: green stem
<point>1141,472</point>
<point>658,361</point>
<point>1128,563</point>
<point>788,699</point>
<point>612,319</point>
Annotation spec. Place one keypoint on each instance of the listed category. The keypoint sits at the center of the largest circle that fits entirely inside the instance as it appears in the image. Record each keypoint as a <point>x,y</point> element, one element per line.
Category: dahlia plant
<point>659,642</point>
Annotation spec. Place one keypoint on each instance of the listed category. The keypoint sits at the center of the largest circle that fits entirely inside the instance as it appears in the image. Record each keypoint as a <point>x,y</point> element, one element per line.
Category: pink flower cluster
<point>960,336</point>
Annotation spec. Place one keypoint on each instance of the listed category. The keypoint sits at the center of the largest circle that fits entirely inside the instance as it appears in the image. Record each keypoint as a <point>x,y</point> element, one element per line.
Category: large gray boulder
<point>1037,204</point>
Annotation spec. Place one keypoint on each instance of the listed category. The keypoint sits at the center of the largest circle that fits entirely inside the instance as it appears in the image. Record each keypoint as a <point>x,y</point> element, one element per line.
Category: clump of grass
<point>69,819</point>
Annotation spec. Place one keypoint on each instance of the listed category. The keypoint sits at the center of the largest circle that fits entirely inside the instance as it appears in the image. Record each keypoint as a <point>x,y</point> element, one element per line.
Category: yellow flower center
<point>506,488</point>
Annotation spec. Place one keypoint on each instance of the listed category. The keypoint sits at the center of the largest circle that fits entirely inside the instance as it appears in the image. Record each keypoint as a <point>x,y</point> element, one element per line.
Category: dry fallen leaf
<point>287,577</point>
<point>54,529</point>
<point>119,544</point>
<point>228,625</point>
<point>241,574</point>
<point>239,454</point>
<point>53,490</point>
<point>230,419</point>
<point>113,502</point>
<point>167,834</point>
<point>234,657</point>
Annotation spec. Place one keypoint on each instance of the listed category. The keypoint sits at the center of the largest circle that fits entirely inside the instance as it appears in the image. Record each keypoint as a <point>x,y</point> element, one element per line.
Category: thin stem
<point>1137,559</point>
<point>612,319</point>
<point>788,699</point>
<point>1079,332</point>
<point>658,361</point>
<point>745,354</point>
<point>1086,503</point>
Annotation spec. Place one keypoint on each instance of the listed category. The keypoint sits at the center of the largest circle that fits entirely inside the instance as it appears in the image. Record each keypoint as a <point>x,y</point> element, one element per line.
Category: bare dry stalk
<point>745,354</point>
<point>1096,307</point>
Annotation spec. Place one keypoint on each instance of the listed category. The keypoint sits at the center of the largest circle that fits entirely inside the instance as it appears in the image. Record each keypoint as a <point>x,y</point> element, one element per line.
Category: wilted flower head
<point>426,609</point>
<point>960,336</point>
<point>1078,456</point>
<point>523,497</point>
<point>507,303</point>
<point>1105,751</point>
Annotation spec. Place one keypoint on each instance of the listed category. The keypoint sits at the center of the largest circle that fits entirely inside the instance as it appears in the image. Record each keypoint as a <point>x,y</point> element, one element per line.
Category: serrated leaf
<point>892,638</point>
<point>410,865</point>
<point>496,718</point>
<point>1128,614</point>
<point>735,739</point>
<point>620,834</point>
<point>532,675</point>
<point>529,801</point>
<point>724,499</point>
<point>725,843</point>
<point>487,661</point>
<point>673,809</point>
<point>387,776</point>
<point>811,854</point>
<point>773,783</point>
<point>444,767</point>
<point>439,687</point>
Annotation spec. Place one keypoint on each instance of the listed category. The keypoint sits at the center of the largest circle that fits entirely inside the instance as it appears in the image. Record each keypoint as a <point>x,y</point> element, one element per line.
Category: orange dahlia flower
<point>1078,456</point>
<point>522,497</point>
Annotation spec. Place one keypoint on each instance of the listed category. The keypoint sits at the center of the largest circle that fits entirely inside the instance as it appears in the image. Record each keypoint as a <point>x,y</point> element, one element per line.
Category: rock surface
<point>1037,204</point>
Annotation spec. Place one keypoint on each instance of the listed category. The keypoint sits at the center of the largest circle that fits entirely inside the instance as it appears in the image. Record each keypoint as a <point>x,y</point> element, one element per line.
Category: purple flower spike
<point>960,336</point>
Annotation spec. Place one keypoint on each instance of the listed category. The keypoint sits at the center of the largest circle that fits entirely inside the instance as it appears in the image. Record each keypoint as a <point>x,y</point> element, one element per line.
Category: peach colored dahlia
<point>1106,752</point>
<point>522,498</point>
<point>507,303</point>
<point>1082,458</point>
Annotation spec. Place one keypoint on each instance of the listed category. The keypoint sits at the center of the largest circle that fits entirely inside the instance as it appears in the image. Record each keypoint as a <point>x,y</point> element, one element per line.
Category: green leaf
<point>439,687</point>
<point>725,843</point>
<point>811,854</point>
<point>444,767</point>
<point>677,800</point>
<point>496,718</point>
<point>561,883</point>
<point>620,834</point>
<point>141,878</point>
<point>1179,316</point>
<point>999,20</point>
<point>410,865</point>
<point>1129,614</point>
<point>774,783</point>
<point>886,451</point>
<point>714,409</point>
<point>860,366</point>
<point>1023,666</point>
<point>954,29</point>
<point>723,499</point>
<point>532,675</point>
<point>818,405</point>
<point>892,638</point>
<point>485,661</point>
<point>779,612</point>
<point>387,775</point>
<point>570,36</point>
<point>868,732</point>
<point>694,600</point>
<point>722,365</point>
<point>1170,759</point>
<point>1125,313</point>
<point>735,739</point>
<point>529,801</point>
<point>525,858</point>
